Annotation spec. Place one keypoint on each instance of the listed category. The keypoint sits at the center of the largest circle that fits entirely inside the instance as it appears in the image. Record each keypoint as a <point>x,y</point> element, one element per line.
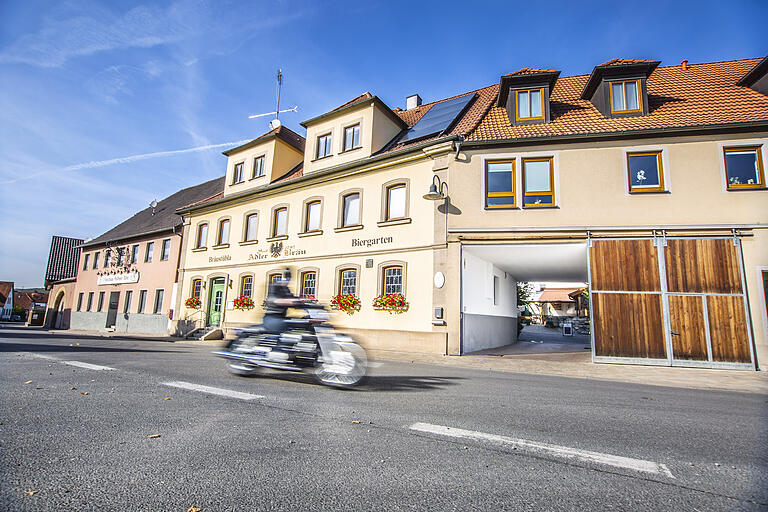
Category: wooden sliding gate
<point>669,301</point>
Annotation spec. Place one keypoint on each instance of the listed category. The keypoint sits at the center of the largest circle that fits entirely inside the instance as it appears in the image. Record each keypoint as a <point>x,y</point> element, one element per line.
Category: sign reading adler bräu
<point>276,250</point>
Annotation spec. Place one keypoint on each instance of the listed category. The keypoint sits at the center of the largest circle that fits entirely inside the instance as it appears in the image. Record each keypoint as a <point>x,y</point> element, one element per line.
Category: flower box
<point>243,303</point>
<point>348,303</point>
<point>193,303</point>
<point>394,303</point>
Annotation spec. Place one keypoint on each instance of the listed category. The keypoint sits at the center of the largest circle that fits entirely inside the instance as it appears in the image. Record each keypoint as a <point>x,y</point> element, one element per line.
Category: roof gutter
<point>319,174</point>
<point>626,134</point>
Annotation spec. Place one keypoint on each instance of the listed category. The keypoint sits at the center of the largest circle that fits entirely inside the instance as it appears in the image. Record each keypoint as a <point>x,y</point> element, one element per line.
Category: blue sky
<point>85,83</point>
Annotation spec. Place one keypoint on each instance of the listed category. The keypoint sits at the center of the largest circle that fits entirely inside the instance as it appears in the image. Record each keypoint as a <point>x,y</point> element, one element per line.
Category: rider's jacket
<point>277,290</point>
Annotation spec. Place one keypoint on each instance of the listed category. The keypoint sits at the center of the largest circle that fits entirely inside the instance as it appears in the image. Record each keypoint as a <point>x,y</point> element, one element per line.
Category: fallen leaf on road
<point>93,380</point>
<point>83,392</point>
<point>166,398</point>
<point>73,388</point>
<point>121,442</point>
<point>28,382</point>
<point>356,421</point>
<point>77,344</point>
<point>193,509</point>
<point>31,493</point>
<point>38,388</point>
<point>154,436</point>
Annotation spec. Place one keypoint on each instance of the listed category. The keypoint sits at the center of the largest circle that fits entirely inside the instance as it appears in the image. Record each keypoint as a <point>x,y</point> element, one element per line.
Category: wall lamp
<point>436,189</point>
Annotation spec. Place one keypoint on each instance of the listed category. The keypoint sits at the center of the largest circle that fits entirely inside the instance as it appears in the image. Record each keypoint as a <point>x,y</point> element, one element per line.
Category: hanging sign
<point>120,278</point>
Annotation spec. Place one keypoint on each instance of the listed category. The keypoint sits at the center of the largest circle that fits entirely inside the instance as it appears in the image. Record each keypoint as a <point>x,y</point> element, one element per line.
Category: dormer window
<point>324,146</point>
<point>528,104</point>
<point>525,94</point>
<point>618,88</point>
<point>625,97</point>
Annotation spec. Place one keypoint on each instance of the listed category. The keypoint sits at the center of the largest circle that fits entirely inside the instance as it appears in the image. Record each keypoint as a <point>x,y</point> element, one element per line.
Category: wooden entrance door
<point>216,301</point>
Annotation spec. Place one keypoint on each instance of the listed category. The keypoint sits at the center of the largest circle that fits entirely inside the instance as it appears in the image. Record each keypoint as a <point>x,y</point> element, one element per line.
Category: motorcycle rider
<point>279,300</point>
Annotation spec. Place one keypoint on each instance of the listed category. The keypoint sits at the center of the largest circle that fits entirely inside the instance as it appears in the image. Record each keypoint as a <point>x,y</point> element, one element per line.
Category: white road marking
<point>212,390</point>
<point>644,466</point>
<point>87,366</point>
<point>79,364</point>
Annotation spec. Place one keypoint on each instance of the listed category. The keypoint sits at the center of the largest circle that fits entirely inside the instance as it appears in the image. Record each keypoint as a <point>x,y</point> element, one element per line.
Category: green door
<point>216,301</point>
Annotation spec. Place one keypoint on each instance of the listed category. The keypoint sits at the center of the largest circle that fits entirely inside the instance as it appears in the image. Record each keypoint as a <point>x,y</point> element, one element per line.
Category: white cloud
<point>122,160</point>
<point>59,40</point>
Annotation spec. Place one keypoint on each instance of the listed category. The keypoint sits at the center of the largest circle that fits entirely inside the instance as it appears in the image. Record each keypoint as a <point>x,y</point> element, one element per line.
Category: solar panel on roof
<point>438,118</point>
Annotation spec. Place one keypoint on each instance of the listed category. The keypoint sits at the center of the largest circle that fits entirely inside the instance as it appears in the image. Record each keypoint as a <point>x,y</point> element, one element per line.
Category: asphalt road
<point>80,437</point>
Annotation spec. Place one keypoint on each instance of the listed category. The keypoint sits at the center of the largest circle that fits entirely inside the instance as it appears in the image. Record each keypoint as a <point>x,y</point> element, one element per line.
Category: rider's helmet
<point>286,275</point>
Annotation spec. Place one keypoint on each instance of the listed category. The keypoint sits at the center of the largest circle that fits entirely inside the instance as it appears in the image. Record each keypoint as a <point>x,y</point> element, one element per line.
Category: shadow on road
<point>40,334</point>
<point>397,383</point>
<point>42,347</point>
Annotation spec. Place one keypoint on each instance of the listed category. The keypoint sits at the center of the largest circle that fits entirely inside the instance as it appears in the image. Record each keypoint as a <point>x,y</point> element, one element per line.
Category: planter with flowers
<point>243,303</point>
<point>348,303</point>
<point>395,303</point>
<point>193,303</point>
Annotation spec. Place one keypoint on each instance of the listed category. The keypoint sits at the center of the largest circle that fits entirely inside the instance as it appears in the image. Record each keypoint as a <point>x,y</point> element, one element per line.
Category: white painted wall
<point>478,289</point>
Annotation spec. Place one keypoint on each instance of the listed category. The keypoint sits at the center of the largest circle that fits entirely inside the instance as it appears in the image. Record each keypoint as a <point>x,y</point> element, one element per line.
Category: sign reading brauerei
<point>119,278</point>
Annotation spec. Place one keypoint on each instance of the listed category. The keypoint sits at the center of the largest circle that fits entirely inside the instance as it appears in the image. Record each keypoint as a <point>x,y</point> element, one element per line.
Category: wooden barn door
<point>707,303</point>
<point>626,296</point>
<point>675,301</point>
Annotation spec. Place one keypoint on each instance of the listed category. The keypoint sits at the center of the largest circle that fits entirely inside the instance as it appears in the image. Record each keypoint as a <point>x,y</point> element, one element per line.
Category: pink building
<point>126,279</point>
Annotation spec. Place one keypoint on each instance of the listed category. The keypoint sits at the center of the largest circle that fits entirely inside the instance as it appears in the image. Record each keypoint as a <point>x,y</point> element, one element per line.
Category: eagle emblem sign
<point>276,248</point>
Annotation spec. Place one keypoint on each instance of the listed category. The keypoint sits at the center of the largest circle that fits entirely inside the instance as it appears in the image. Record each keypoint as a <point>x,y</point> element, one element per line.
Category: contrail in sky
<point>126,160</point>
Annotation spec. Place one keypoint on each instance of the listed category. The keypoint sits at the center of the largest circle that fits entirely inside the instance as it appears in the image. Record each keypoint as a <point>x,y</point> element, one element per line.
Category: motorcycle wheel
<point>344,368</point>
<point>238,367</point>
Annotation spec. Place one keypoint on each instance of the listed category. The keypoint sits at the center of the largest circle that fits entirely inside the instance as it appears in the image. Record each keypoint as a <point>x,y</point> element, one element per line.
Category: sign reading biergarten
<point>119,278</point>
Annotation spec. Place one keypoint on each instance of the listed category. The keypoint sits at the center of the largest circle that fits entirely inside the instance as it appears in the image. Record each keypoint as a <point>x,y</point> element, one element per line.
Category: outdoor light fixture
<point>433,194</point>
<point>153,204</point>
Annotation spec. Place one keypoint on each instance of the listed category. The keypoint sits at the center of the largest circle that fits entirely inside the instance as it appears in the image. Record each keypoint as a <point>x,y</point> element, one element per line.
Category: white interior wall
<point>478,289</point>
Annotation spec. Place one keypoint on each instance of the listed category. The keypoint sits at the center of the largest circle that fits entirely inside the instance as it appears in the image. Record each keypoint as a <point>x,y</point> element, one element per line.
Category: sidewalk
<point>576,365</point>
<point>580,366</point>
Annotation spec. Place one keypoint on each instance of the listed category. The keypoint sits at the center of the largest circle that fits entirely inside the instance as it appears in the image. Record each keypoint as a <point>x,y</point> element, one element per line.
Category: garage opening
<point>490,308</point>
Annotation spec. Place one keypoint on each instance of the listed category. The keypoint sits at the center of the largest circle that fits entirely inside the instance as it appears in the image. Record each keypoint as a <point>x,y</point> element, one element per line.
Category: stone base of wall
<point>87,321</point>
<point>125,322</point>
<point>400,341</point>
<point>142,324</point>
<point>379,339</point>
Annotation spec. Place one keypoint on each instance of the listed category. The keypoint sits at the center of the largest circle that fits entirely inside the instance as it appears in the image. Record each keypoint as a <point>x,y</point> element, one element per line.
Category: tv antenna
<point>276,121</point>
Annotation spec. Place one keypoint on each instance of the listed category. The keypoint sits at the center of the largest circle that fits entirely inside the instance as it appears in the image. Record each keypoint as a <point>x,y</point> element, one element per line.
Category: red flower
<point>193,303</point>
<point>349,303</point>
<point>392,302</point>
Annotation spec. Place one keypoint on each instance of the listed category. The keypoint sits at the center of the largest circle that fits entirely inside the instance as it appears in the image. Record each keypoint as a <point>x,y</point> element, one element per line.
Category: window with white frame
<point>324,146</point>
<point>351,137</point>
<point>223,236</point>
<point>258,167</point>
<point>312,216</point>
<point>280,222</point>
<point>351,209</point>
<point>393,279</point>
<point>348,281</point>
<point>251,225</point>
<point>237,174</point>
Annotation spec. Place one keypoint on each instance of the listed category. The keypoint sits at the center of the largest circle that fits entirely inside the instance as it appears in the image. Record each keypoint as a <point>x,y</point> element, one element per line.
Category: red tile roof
<point>530,71</point>
<point>624,62</point>
<point>705,94</point>
<point>6,287</point>
<point>362,97</point>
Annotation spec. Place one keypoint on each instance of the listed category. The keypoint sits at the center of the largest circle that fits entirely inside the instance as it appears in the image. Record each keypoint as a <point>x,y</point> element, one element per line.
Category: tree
<point>524,293</point>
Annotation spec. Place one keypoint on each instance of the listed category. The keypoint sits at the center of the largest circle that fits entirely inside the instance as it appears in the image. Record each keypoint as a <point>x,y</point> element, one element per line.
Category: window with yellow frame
<point>744,167</point>
<point>538,182</point>
<point>646,171</point>
<point>625,96</point>
<point>500,184</point>
<point>529,104</point>
<point>197,285</point>
<point>309,284</point>
<point>246,286</point>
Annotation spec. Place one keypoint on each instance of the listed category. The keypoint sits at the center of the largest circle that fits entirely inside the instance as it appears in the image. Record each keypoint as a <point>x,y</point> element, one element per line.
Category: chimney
<point>684,65</point>
<point>412,101</point>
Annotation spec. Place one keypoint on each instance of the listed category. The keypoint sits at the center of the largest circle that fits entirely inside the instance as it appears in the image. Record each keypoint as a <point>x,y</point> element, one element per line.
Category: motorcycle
<point>309,344</point>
